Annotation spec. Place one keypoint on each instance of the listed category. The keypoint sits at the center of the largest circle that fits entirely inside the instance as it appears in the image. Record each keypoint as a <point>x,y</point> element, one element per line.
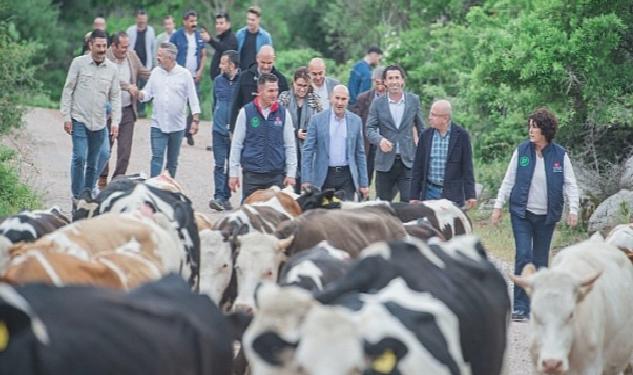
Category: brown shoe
<point>103,181</point>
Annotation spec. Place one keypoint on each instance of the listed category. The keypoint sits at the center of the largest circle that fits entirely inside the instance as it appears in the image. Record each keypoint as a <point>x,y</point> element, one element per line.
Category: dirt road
<point>45,152</point>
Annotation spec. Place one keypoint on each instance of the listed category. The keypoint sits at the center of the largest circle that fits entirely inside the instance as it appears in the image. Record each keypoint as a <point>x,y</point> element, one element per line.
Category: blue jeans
<point>162,142</point>
<point>221,148</point>
<point>104,155</point>
<point>433,192</point>
<point>83,165</point>
<point>532,239</point>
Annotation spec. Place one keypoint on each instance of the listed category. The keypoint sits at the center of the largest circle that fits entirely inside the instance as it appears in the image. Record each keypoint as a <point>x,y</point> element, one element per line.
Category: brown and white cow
<point>28,226</point>
<point>282,200</point>
<point>116,250</point>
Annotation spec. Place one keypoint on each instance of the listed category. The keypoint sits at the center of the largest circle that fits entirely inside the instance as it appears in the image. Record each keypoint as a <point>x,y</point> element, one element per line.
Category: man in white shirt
<point>321,84</point>
<point>263,142</point>
<point>171,86</point>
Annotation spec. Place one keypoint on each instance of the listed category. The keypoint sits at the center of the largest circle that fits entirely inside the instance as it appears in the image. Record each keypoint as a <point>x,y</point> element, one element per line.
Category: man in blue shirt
<point>190,55</point>
<point>360,76</point>
<point>251,38</point>
<point>223,87</point>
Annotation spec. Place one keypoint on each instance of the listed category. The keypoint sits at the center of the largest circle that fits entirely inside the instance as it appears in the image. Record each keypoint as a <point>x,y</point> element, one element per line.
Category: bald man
<point>443,166</point>
<point>334,151</point>
<point>99,23</point>
<point>246,89</point>
<point>322,84</point>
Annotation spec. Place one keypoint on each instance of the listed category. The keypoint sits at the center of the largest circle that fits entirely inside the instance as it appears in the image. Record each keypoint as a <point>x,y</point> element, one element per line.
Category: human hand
<point>198,76</point>
<point>133,90</point>
<point>290,181</point>
<point>495,218</point>
<point>572,220</point>
<point>301,134</point>
<point>364,191</point>
<point>471,203</point>
<point>234,183</point>
<point>114,131</point>
<point>68,127</point>
<point>195,124</point>
<point>205,36</point>
<point>385,145</point>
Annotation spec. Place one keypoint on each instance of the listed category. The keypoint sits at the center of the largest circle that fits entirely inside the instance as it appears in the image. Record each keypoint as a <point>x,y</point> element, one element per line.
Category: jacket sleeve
<point>373,133</point>
<point>361,158</point>
<point>69,89</point>
<point>236,103</point>
<point>353,85</point>
<point>307,158</point>
<point>417,177</point>
<point>467,163</point>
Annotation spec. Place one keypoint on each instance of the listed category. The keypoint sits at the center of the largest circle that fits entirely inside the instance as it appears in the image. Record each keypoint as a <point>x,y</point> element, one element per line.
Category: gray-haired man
<point>171,86</point>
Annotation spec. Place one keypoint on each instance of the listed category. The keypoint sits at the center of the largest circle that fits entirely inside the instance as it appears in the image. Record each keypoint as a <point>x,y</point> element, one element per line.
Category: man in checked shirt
<point>443,166</point>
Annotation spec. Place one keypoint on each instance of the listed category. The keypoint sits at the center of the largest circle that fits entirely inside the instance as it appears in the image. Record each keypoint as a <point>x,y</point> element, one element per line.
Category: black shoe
<point>216,205</point>
<point>227,206</point>
<point>190,139</point>
<point>519,316</point>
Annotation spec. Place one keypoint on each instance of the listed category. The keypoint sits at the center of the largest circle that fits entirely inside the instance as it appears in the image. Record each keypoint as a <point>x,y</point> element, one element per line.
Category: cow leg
<point>240,364</point>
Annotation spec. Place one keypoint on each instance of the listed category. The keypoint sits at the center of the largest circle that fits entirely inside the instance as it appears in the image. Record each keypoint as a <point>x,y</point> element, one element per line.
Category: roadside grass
<point>14,195</point>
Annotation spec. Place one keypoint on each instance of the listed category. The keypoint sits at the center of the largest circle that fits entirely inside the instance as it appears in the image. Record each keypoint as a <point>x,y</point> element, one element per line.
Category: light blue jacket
<point>315,162</point>
<point>263,38</point>
<point>150,43</point>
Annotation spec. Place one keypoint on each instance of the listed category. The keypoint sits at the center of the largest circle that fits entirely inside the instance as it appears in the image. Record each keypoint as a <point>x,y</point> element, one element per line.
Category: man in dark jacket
<point>246,90</point>
<point>223,41</point>
<point>443,166</point>
<point>223,87</point>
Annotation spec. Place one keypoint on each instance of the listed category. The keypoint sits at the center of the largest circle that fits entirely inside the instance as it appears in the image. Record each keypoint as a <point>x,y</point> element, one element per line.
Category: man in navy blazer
<point>334,151</point>
<point>443,166</point>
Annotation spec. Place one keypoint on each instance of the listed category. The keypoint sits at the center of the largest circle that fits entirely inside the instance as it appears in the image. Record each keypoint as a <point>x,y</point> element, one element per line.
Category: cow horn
<point>284,243</point>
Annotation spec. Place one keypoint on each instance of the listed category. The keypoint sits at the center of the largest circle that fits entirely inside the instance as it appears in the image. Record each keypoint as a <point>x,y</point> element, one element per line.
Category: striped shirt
<point>439,154</point>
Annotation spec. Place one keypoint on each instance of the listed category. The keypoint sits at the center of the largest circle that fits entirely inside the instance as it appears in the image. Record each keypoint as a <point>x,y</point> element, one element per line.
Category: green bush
<point>14,195</point>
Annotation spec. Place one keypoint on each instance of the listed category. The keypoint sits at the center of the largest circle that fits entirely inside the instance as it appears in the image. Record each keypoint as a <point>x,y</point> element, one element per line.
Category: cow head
<point>216,264</point>
<point>312,199</point>
<point>164,181</point>
<point>85,206</point>
<point>258,258</point>
<point>552,324</point>
<point>272,337</point>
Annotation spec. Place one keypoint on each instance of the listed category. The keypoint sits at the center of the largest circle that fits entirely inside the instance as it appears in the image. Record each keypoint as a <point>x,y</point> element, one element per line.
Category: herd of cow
<point>307,284</point>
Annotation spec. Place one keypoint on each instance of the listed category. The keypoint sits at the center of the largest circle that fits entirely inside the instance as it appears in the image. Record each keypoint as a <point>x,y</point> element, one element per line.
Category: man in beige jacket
<point>130,69</point>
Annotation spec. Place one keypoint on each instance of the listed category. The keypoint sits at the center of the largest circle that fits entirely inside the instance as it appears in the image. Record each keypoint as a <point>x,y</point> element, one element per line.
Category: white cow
<point>216,264</point>
<point>582,311</point>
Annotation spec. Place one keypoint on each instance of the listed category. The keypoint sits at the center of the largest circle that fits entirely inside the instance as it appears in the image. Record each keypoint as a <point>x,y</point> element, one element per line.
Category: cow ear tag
<point>385,363</point>
<point>4,336</point>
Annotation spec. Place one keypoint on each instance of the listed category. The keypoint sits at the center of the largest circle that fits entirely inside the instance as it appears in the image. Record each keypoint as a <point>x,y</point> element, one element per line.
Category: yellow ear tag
<point>385,363</point>
<point>325,202</point>
<point>4,336</point>
<point>335,199</point>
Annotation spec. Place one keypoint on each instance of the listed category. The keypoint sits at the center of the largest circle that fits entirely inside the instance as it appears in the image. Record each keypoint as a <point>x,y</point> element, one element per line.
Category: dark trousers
<point>124,142</point>
<point>399,176</point>
<point>532,239</point>
<point>190,115</point>
<point>371,160</point>
<point>253,181</point>
<point>340,178</point>
<point>221,148</point>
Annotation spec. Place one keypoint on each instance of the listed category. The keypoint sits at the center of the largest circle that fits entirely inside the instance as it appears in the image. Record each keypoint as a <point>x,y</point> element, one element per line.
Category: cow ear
<point>284,243</point>
<point>585,286</point>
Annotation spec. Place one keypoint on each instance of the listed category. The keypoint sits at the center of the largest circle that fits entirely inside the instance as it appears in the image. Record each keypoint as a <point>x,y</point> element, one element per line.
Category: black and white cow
<point>160,328</point>
<point>315,268</point>
<point>126,195</point>
<point>441,214</point>
<point>404,308</point>
<point>28,226</point>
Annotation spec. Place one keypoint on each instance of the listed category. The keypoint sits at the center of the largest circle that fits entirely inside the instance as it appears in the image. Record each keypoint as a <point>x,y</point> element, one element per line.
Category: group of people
<point>313,132</point>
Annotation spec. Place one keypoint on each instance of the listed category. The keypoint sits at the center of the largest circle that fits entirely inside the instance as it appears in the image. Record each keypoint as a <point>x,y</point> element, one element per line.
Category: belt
<point>398,156</point>
<point>435,185</point>
<point>341,168</point>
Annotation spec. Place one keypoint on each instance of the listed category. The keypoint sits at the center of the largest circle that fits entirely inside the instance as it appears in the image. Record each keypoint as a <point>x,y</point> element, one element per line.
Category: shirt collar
<point>336,119</point>
<point>448,131</point>
<point>401,101</point>
<point>260,109</point>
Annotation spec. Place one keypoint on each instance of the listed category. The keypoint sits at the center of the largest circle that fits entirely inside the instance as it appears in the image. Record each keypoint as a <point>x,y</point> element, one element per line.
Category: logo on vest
<point>277,121</point>
<point>255,122</point>
<point>557,167</point>
<point>524,161</point>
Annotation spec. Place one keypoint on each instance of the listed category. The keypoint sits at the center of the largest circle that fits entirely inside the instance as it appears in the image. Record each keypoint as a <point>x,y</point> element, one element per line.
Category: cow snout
<point>243,308</point>
<point>552,366</point>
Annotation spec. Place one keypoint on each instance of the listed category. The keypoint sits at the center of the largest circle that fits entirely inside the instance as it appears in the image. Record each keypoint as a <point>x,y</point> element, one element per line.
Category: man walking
<point>91,83</point>
<point>443,166</point>
<point>321,84</point>
<point>247,84</point>
<point>169,26</point>
<point>191,55</point>
<point>333,153</point>
<point>223,87</point>
<point>263,142</point>
<point>393,124</point>
<point>130,69</point>
<point>142,40</point>
<point>363,102</point>
<point>251,38</point>
<point>360,76</point>
<point>224,40</point>
<point>171,86</point>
